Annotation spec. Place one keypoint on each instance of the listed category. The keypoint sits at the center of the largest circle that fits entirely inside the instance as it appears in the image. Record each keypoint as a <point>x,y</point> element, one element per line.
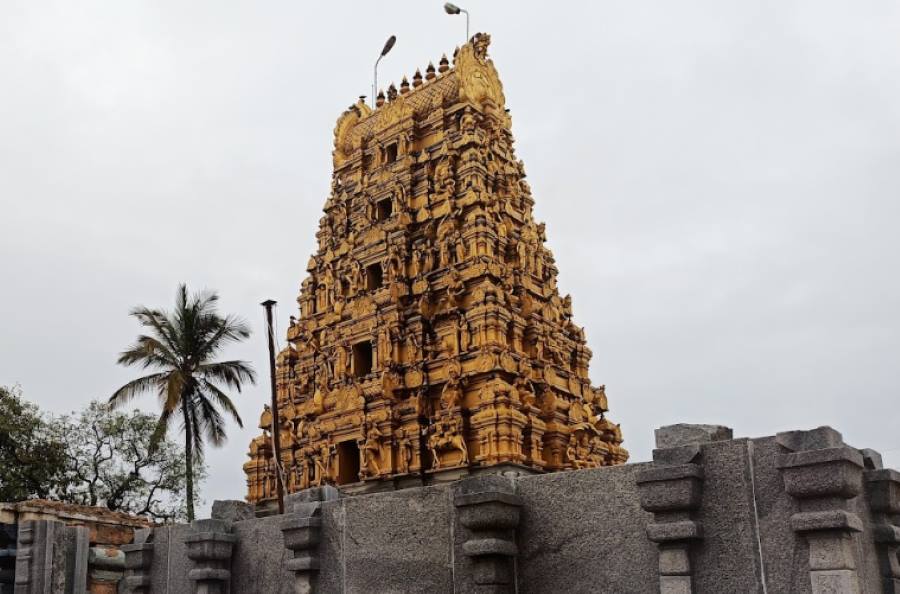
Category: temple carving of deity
<point>432,341</point>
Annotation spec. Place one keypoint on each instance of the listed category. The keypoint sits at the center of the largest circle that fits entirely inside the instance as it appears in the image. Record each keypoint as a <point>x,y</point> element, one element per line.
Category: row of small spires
<point>417,80</point>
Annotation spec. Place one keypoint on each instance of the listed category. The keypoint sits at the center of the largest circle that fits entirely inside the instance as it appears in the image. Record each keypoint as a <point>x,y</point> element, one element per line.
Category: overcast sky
<point>720,182</point>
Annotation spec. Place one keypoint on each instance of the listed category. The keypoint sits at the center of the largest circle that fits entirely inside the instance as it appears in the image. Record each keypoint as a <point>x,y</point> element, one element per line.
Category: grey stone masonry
<point>883,491</point>
<point>301,529</point>
<point>138,558</point>
<point>488,511</point>
<point>672,436</point>
<point>823,478</point>
<point>51,558</point>
<point>209,546</point>
<point>33,561</point>
<point>796,513</point>
<point>230,510</point>
<point>8,537</point>
<point>672,490</point>
<point>106,566</point>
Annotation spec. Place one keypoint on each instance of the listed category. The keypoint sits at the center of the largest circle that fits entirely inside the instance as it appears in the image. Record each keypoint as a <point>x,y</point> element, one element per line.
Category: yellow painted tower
<point>432,340</point>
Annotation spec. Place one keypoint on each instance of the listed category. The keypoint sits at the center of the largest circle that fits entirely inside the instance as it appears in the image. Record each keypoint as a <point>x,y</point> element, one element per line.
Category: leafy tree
<point>32,462</point>
<point>114,459</point>
<point>181,347</point>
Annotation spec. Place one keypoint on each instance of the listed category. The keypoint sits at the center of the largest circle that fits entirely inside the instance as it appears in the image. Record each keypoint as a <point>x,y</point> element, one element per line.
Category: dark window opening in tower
<point>348,462</point>
<point>362,359</point>
<point>390,153</point>
<point>384,209</point>
<point>374,277</point>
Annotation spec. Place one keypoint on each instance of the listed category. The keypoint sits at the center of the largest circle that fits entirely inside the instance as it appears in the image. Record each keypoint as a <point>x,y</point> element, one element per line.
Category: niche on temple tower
<point>432,340</point>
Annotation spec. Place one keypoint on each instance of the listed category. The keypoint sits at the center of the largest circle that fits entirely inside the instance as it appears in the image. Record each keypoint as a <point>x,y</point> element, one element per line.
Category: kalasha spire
<point>432,339</point>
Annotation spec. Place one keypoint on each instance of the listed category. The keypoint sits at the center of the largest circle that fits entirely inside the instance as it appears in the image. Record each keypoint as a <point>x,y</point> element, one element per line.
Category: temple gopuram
<point>432,340</point>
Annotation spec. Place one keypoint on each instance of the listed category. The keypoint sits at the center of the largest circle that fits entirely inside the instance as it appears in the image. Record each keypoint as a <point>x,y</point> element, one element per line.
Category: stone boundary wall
<point>800,512</point>
<point>76,548</point>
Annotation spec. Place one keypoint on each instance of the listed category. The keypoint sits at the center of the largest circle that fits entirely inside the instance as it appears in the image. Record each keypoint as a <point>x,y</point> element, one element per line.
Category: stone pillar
<point>672,493</point>
<point>138,561</point>
<point>8,537</point>
<point>302,527</point>
<point>883,491</point>
<point>301,538</point>
<point>209,547</point>
<point>106,565</point>
<point>672,490</point>
<point>488,511</point>
<point>51,558</point>
<point>32,563</point>
<point>823,474</point>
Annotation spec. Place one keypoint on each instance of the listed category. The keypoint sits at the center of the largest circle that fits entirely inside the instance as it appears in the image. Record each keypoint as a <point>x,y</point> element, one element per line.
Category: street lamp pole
<point>451,8</point>
<point>387,47</point>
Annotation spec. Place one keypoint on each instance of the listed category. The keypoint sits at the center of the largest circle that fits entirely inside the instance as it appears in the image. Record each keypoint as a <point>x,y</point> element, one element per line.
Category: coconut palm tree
<point>181,347</point>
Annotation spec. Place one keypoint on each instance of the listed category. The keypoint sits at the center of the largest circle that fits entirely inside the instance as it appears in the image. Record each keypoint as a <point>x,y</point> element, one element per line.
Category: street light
<point>387,47</point>
<point>451,8</point>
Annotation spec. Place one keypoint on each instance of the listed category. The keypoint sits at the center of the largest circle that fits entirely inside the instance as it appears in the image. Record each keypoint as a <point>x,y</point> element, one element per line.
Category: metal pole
<point>467,23</point>
<point>375,81</point>
<point>276,426</point>
<point>384,51</point>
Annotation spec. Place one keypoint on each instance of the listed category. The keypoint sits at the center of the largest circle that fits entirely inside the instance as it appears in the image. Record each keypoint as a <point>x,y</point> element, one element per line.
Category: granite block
<point>170,567</point>
<point>330,577</point>
<point>829,551</point>
<point>484,483</point>
<point>74,556</point>
<point>818,521</point>
<point>871,459</point>
<point>675,531</point>
<point>831,472</point>
<point>727,559</point>
<point>677,455</point>
<point>813,439</point>
<point>674,560</point>
<point>682,434</point>
<point>783,552</point>
<point>138,555</point>
<point>675,584</point>
<point>488,511</point>
<point>584,532</point>
<point>883,488</point>
<point>258,563</point>
<point>838,581</point>
<point>310,495</point>
<point>232,510</point>
<point>398,542</point>
<point>670,488</point>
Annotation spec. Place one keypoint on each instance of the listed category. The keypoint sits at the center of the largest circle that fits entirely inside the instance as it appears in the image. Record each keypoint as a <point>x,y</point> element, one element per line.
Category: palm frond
<point>149,352</point>
<point>138,386</point>
<point>231,373</point>
<point>162,427</point>
<point>211,420</point>
<point>219,397</point>
<point>160,323</point>
<point>221,332</point>
<point>173,393</point>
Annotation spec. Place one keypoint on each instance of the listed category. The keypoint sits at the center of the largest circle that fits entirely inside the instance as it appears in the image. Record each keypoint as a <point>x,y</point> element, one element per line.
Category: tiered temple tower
<point>432,339</point>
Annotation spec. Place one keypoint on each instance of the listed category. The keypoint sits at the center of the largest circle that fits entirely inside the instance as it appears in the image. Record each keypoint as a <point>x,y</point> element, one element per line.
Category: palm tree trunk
<point>188,459</point>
